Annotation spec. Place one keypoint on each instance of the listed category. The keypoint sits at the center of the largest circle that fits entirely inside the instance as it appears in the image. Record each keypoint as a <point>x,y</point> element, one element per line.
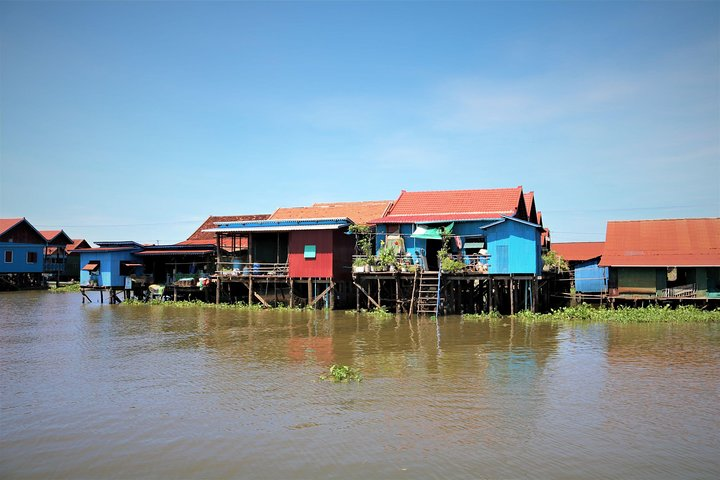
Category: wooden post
<point>512,296</point>
<point>379,300</point>
<point>331,295</point>
<point>292,293</point>
<point>101,295</point>
<point>357,297</point>
<point>490,294</point>
<point>309,291</point>
<point>397,293</point>
<point>534,295</point>
<point>218,285</point>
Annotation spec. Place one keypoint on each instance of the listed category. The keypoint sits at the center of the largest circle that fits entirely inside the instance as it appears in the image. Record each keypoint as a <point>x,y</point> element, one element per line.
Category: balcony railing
<point>681,291</point>
<point>255,269</point>
<point>474,263</point>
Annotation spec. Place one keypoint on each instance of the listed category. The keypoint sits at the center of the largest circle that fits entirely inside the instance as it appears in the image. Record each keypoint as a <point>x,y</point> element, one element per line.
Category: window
<point>8,256</point>
<point>310,251</point>
<point>31,257</point>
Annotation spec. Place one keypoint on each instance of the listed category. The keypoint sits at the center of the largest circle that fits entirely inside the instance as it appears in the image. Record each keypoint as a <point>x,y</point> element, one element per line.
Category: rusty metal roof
<point>147,253</point>
<point>200,234</point>
<point>453,205</point>
<point>578,251</point>
<point>359,212</point>
<point>682,242</point>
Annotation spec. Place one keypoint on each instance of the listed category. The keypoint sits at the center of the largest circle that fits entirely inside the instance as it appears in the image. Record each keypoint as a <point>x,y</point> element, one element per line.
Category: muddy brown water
<point>108,391</point>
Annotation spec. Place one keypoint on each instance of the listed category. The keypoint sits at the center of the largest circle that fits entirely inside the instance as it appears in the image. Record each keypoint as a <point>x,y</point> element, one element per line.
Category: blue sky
<point>134,120</point>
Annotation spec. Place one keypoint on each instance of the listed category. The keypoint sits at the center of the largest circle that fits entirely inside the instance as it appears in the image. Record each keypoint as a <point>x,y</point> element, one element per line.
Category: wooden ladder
<point>428,301</point>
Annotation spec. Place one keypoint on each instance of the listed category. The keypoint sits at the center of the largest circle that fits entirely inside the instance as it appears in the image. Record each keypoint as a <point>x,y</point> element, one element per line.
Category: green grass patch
<point>492,316</point>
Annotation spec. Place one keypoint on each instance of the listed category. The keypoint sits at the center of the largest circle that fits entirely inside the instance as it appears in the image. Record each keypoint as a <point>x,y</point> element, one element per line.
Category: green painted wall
<point>637,280</point>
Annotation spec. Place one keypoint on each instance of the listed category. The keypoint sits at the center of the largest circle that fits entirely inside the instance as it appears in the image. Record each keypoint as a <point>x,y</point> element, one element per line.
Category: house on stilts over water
<point>454,251</point>
<point>674,260</point>
<point>299,256</point>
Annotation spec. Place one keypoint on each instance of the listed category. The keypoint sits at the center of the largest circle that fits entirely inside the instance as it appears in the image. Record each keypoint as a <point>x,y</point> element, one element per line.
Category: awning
<point>436,233</point>
<point>147,253</point>
<point>91,267</point>
<point>128,264</point>
<point>474,244</point>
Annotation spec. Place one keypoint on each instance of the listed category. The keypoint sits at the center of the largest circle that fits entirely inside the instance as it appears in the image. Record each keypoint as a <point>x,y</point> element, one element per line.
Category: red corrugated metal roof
<point>56,237</point>
<point>449,205</point>
<point>77,243</point>
<point>690,242</point>
<point>8,223</point>
<point>359,212</point>
<point>578,251</point>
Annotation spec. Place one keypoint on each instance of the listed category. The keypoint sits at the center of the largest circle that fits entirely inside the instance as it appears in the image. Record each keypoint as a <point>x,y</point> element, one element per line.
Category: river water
<point>114,391</point>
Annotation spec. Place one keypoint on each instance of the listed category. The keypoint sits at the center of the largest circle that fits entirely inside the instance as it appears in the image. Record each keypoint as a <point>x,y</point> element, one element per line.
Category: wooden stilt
<point>369,297</point>
<point>292,293</point>
<point>309,291</point>
<point>357,297</point>
<point>397,294</point>
<point>512,296</point>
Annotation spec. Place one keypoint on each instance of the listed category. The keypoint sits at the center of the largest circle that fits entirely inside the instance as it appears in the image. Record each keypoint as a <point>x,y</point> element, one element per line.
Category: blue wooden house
<point>489,231</point>
<point>583,259</point>
<point>22,248</point>
<point>482,223</point>
<point>111,265</point>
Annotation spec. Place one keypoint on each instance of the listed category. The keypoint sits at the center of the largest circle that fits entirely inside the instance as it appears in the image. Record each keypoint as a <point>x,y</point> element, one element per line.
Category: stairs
<point>428,300</point>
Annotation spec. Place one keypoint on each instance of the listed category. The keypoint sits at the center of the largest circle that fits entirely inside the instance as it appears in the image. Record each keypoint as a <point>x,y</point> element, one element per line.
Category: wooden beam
<point>366,294</point>
<point>317,299</point>
<point>262,300</point>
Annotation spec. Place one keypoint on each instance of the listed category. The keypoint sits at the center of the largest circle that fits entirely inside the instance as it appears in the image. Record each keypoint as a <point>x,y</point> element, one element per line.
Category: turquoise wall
<point>109,273</point>
<point>19,263</point>
<point>514,248</point>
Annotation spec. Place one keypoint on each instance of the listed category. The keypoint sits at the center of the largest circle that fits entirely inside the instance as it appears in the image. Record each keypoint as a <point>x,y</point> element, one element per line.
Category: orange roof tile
<point>530,208</point>
<point>578,251</point>
<point>8,223</point>
<point>689,242</point>
<point>450,205</point>
<point>359,212</point>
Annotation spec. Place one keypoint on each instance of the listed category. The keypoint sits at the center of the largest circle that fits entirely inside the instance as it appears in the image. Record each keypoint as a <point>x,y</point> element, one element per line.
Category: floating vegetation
<point>491,316</point>
<point>70,288</point>
<point>623,314</point>
<point>342,373</point>
<point>201,304</point>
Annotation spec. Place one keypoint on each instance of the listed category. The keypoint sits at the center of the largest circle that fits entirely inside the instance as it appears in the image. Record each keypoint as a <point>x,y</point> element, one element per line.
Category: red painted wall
<point>321,265</point>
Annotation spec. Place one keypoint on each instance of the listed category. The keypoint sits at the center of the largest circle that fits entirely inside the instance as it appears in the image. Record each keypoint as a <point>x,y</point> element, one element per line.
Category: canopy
<point>436,233</point>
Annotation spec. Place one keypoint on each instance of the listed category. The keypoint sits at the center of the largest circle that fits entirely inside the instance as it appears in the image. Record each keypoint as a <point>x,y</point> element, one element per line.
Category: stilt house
<point>583,259</point>
<point>55,252</point>
<point>22,248</point>
<point>305,249</point>
<point>663,259</point>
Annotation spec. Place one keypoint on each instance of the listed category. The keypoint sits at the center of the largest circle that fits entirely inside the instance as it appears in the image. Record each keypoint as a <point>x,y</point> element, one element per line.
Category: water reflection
<point>114,391</point>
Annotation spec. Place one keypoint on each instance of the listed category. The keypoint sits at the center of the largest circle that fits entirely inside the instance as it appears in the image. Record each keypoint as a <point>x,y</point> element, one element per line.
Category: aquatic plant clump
<point>342,373</point>
<point>623,314</point>
<point>201,304</point>
<point>71,288</point>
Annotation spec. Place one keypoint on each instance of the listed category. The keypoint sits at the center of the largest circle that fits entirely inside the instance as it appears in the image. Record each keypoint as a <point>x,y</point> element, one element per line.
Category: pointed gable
<point>19,230</point>
<point>456,205</point>
<point>57,238</point>
<point>530,208</point>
